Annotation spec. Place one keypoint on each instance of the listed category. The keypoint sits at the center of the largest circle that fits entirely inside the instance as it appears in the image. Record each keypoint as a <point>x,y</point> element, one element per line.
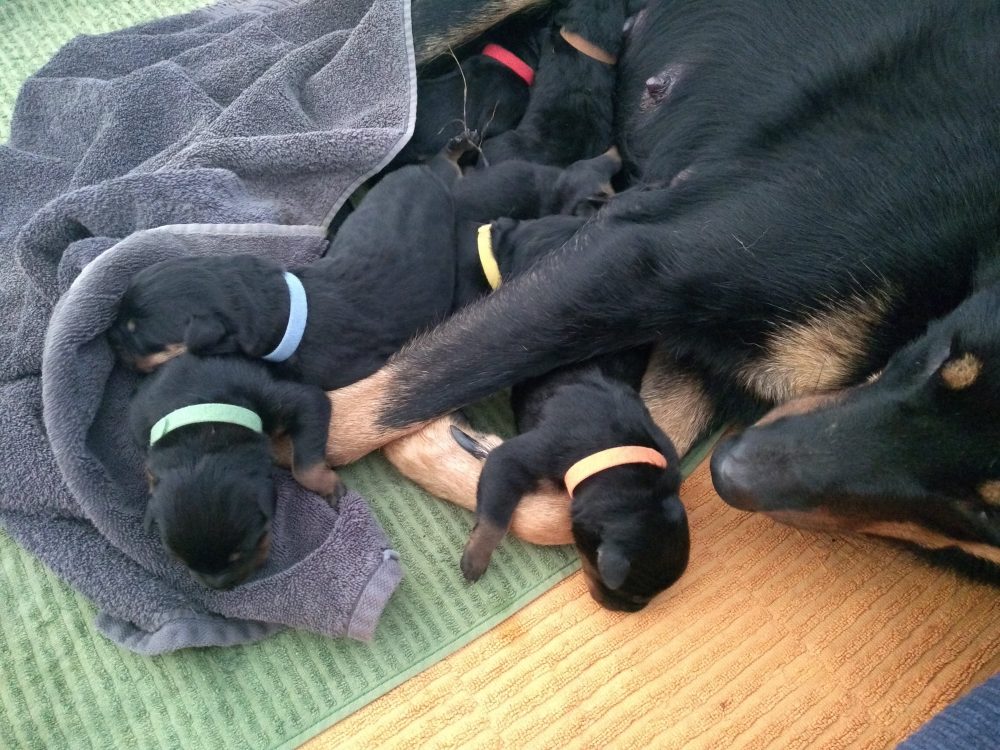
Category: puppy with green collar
<point>207,424</point>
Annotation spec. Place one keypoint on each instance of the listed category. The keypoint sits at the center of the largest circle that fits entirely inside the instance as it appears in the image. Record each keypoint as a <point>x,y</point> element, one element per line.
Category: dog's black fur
<point>482,94</point>
<point>519,190</point>
<point>390,272</point>
<point>629,525</point>
<point>211,492</point>
<point>815,186</point>
<point>571,111</point>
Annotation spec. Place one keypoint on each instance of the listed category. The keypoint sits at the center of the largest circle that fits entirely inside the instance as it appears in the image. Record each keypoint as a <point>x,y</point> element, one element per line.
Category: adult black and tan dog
<point>815,183</point>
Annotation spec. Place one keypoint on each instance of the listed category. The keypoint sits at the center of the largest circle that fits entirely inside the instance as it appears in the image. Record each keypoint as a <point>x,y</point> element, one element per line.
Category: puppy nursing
<point>243,348</point>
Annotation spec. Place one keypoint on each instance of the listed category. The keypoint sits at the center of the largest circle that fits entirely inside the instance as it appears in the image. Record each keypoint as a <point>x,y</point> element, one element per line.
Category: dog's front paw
<point>322,480</point>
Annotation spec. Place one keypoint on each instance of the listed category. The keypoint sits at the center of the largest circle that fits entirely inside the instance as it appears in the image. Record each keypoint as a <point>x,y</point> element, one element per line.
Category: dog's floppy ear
<point>203,332</point>
<point>612,565</point>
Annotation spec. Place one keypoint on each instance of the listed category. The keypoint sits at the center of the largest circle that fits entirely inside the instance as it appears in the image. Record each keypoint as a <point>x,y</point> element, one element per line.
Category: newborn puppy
<point>519,190</point>
<point>488,93</point>
<point>206,423</point>
<point>389,273</point>
<point>585,427</point>
<point>570,114</point>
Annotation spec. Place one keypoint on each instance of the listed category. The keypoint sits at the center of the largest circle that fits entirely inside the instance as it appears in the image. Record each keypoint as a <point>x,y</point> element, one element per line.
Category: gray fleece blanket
<point>238,128</point>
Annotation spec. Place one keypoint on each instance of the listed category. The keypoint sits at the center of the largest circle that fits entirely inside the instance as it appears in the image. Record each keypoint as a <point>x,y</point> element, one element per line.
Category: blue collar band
<point>298,313</point>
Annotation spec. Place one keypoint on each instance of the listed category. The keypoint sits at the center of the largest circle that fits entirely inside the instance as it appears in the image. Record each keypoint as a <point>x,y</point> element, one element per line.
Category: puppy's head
<point>518,245</point>
<point>585,186</point>
<point>213,511</point>
<point>201,304</point>
<point>631,531</point>
<point>911,455</point>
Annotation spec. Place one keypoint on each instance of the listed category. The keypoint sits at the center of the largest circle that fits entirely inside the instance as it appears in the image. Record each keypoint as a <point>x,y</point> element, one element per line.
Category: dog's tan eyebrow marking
<point>961,372</point>
<point>989,491</point>
<point>130,325</point>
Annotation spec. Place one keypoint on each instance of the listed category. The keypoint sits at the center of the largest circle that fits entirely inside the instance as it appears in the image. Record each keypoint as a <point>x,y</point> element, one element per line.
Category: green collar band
<point>205,413</point>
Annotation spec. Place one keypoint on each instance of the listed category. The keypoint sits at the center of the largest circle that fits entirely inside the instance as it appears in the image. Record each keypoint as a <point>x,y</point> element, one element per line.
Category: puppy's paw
<point>322,480</point>
<point>478,551</point>
<point>462,144</point>
<point>474,562</point>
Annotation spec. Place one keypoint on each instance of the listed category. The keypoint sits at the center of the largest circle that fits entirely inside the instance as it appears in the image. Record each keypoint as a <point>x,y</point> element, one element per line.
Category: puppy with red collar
<point>571,112</point>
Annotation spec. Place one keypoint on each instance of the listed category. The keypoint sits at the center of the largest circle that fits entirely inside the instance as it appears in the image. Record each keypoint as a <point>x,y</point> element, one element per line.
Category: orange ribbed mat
<point>773,638</point>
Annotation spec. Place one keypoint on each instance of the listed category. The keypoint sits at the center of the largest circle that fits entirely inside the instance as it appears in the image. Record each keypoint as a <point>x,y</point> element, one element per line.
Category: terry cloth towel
<point>971,723</point>
<point>242,127</point>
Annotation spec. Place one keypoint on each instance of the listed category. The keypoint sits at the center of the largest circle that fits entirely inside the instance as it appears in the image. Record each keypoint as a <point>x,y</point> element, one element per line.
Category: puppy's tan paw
<point>321,479</point>
<point>478,551</point>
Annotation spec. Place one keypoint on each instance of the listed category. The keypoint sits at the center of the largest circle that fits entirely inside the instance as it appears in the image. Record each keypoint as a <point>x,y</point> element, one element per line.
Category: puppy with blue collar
<point>207,425</point>
<point>398,266</point>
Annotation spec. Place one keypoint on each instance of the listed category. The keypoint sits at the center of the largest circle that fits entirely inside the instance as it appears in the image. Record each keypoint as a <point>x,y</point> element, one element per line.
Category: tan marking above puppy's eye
<point>236,556</point>
<point>130,325</point>
<point>989,491</point>
<point>961,372</point>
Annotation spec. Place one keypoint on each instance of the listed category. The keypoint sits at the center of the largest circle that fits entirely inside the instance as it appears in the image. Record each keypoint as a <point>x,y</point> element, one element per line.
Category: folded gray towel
<point>238,128</point>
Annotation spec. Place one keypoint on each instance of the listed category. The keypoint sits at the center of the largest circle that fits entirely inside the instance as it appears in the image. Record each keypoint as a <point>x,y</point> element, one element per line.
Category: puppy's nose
<point>733,473</point>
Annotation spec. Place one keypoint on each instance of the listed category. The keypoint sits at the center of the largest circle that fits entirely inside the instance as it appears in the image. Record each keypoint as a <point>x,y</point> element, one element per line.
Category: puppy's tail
<point>469,444</point>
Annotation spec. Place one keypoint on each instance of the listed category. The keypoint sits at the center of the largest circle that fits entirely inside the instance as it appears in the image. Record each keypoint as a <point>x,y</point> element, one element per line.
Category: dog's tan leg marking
<point>990,491</point>
<point>961,372</point>
<point>486,14</point>
<point>151,361</point>
<point>281,450</point>
<point>483,540</point>
<point>677,402</point>
<point>433,460</point>
<point>354,410</point>
<point>820,354</point>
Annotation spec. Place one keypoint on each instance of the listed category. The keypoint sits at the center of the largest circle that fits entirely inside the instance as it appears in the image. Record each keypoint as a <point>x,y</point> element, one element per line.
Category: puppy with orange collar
<point>586,428</point>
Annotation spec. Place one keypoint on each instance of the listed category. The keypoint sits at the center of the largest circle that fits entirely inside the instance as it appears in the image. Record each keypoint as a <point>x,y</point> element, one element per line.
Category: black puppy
<point>487,91</point>
<point>211,492</point>
<point>571,111</point>
<point>519,190</point>
<point>587,428</point>
<point>390,273</point>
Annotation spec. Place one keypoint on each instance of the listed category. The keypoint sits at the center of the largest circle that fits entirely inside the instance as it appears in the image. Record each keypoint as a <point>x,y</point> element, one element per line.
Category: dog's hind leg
<point>432,459</point>
<point>677,401</point>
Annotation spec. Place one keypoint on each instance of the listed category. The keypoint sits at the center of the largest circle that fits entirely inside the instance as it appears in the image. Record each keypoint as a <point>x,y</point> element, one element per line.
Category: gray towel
<point>238,128</point>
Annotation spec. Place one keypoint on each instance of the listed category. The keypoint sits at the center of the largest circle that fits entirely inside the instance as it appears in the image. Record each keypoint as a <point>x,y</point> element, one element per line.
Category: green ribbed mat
<point>63,686</point>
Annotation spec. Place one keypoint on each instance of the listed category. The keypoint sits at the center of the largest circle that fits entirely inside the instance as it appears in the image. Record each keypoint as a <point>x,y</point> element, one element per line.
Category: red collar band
<point>508,59</point>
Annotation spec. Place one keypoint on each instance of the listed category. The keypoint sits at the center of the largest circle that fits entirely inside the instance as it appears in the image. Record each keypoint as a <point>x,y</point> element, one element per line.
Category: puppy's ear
<point>204,332</point>
<point>612,565</point>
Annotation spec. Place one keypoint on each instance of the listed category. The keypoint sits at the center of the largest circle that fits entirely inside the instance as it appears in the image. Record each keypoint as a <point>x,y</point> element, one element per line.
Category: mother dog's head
<point>913,455</point>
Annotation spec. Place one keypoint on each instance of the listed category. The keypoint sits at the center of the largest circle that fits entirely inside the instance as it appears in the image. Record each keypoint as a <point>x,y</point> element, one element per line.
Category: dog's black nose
<point>733,474</point>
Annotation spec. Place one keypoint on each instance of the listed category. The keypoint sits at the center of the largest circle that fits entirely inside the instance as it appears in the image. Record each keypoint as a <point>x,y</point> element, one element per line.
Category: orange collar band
<point>595,463</point>
<point>587,48</point>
